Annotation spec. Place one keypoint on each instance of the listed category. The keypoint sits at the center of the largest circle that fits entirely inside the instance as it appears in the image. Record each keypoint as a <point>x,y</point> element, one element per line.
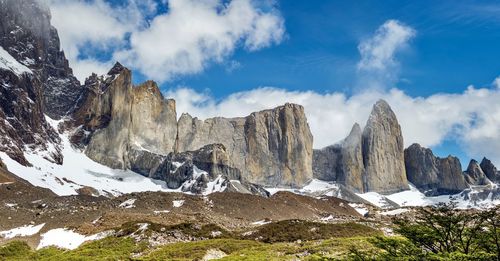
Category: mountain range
<point>94,137</point>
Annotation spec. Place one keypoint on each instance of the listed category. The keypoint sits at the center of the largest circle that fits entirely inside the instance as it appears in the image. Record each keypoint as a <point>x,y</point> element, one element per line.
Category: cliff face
<point>383,151</point>
<point>26,33</point>
<point>490,170</point>
<point>123,124</point>
<point>271,147</point>
<point>474,174</point>
<point>342,162</point>
<point>371,160</point>
<point>23,125</point>
<point>433,175</point>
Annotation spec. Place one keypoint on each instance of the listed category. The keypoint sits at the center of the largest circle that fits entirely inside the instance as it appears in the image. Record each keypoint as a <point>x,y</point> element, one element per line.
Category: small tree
<point>441,232</point>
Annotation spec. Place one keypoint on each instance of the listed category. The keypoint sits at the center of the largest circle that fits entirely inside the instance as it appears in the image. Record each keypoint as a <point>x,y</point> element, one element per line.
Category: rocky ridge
<point>135,127</point>
<point>433,175</point>
<point>35,80</point>
<point>368,160</point>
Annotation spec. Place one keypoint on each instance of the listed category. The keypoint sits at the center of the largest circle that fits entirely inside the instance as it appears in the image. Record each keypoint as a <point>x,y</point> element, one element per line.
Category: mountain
<point>110,137</point>
<point>434,175</point>
<point>122,126</point>
<point>368,160</point>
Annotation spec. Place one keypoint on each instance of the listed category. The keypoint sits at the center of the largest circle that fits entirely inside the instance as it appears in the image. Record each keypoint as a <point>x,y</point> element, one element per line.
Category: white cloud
<point>496,82</point>
<point>195,33</point>
<point>191,35</point>
<point>471,117</point>
<point>377,53</point>
<point>94,26</point>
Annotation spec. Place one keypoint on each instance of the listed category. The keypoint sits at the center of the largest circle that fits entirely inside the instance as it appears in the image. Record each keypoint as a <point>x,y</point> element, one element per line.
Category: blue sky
<point>455,46</point>
<point>309,53</point>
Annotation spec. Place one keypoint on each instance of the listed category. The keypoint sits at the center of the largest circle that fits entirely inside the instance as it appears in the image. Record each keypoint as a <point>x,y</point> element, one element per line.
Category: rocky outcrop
<point>490,170</point>
<point>474,175</point>
<point>116,120</point>
<point>342,162</point>
<point>35,80</point>
<point>368,160</point>
<point>383,151</point>
<point>271,147</point>
<point>433,175</point>
<point>26,34</point>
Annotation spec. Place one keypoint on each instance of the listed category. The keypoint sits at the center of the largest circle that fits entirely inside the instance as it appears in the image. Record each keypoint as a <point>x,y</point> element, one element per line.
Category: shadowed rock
<point>342,162</point>
<point>474,175</point>
<point>433,175</point>
<point>490,170</point>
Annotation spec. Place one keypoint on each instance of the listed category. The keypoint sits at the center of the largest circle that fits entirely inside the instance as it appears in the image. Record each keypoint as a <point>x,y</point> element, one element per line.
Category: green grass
<point>277,241</point>
<point>293,230</point>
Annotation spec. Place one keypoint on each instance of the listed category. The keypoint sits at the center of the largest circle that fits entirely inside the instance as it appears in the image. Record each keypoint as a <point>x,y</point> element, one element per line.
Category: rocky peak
<point>433,175</point>
<point>116,69</point>
<point>383,151</point>
<point>475,175</point>
<point>26,34</point>
<point>490,170</point>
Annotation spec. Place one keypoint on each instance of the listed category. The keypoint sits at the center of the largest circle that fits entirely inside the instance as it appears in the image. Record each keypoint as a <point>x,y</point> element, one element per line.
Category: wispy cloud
<point>378,66</point>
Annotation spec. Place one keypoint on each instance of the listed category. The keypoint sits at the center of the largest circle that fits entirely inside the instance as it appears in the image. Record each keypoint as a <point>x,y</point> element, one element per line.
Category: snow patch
<point>177,203</point>
<point>261,222</point>
<point>68,239</point>
<point>23,231</point>
<point>129,203</point>
<point>359,208</point>
<point>8,62</point>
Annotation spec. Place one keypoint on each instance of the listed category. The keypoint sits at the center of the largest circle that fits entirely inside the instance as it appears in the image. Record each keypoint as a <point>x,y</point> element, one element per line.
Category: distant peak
<point>355,129</point>
<point>382,104</point>
<point>117,69</point>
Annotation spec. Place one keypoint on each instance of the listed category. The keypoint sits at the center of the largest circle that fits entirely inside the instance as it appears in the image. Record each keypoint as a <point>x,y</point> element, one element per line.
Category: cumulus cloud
<point>95,27</point>
<point>194,33</point>
<point>472,117</point>
<point>185,40</point>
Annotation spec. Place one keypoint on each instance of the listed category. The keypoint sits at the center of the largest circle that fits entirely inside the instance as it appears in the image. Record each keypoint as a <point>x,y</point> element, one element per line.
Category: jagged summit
<point>116,69</point>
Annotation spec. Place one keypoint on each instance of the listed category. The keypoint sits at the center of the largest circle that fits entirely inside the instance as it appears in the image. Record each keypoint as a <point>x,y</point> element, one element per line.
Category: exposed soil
<point>23,204</point>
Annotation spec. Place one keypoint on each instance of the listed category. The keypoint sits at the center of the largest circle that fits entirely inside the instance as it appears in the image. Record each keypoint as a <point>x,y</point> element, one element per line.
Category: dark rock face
<point>186,170</point>
<point>22,121</point>
<point>45,85</point>
<point>26,33</point>
<point>433,175</point>
<point>383,151</point>
<point>342,162</point>
<point>474,175</point>
<point>490,170</point>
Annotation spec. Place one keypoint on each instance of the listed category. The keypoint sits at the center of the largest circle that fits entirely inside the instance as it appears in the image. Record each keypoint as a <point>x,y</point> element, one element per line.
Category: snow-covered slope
<point>8,62</point>
<point>79,171</point>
